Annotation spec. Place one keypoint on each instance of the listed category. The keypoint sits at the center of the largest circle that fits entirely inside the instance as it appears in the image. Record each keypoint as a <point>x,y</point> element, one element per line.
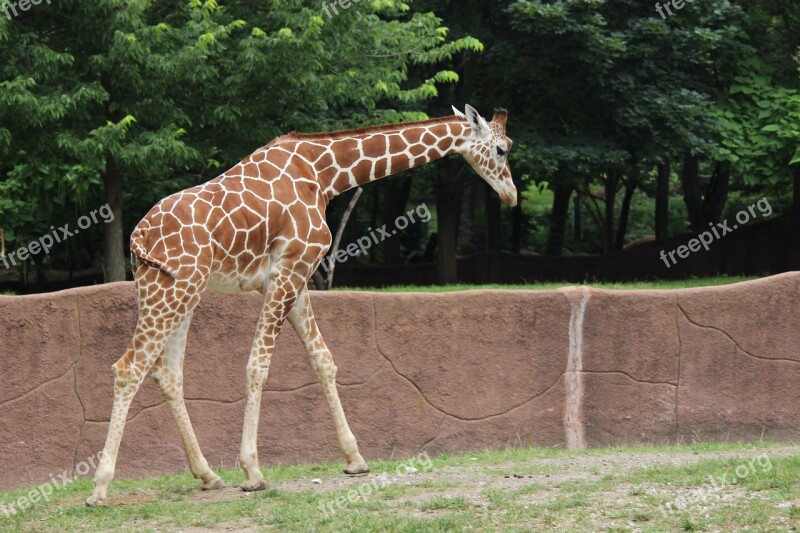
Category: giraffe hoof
<point>252,487</point>
<point>93,501</point>
<point>215,484</point>
<point>357,469</point>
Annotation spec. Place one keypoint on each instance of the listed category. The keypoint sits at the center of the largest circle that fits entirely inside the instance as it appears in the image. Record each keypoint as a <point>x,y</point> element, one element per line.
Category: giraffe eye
<point>500,151</point>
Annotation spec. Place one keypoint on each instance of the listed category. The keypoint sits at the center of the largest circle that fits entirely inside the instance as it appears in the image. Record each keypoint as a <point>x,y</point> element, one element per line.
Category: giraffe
<point>261,226</point>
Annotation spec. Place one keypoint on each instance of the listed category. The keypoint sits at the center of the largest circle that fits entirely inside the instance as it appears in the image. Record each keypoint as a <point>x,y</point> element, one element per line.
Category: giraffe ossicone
<point>261,226</point>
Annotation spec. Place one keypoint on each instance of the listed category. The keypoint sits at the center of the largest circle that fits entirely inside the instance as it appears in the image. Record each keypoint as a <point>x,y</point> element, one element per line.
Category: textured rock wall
<point>441,372</point>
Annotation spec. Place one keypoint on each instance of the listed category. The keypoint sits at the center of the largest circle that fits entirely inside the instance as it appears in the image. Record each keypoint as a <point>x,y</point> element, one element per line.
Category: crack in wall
<point>39,386</point>
<point>212,400</point>
<point>730,338</point>
<point>266,391</point>
<point>680,353</point>
<point>238,400</point>
<point>623,373</point>
<point>436,407</point>
<point>163,402</point>
<point>75,380</point>
<point>435,435</point>
<point>354,384</point>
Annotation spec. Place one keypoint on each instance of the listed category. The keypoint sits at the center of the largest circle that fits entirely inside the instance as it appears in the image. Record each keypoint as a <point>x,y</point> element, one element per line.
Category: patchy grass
<point>445,502</point>
<point>715,487</point>
<point>637,285</point>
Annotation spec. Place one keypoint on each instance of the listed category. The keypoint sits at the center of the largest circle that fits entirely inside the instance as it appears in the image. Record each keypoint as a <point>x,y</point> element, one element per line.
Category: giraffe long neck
<point>351,159</point>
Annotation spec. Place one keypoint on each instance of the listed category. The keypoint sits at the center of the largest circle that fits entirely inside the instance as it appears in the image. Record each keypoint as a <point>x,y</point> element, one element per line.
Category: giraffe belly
<point>230,282</point>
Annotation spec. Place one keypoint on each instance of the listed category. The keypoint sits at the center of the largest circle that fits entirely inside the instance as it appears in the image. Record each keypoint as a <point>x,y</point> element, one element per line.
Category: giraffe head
<point>486,150</point>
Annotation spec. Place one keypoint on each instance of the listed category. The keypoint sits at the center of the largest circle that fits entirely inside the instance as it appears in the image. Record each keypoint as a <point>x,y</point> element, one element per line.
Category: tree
<point>629,87</point>
<point>99,109</point>
<point>761,135</point>
<point>129,101</point>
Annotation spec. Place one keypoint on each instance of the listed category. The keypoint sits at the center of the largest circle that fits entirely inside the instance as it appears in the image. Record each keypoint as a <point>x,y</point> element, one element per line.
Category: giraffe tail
<point>138,251</point>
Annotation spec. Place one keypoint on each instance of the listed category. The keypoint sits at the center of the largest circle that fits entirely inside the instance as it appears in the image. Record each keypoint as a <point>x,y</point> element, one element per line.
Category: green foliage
<point>761,126</point>
<point>164,95</point>
<point>608,84</point>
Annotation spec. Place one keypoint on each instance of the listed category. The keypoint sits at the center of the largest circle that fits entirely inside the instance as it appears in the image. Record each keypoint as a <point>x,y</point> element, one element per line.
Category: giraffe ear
<point>458,113</point>
<point>480,129</point>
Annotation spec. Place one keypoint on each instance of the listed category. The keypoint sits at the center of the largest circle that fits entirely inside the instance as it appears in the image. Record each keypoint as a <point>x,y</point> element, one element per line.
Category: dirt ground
<point>542,477</point>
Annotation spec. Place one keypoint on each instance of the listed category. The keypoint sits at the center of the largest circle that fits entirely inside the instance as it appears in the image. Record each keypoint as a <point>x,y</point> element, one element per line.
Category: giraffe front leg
<point>305,324</point>
<point>257,371</point>
<point>272,316</point>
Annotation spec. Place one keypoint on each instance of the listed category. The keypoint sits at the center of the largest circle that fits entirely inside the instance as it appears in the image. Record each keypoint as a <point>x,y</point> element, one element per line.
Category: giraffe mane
<point>370,130</point>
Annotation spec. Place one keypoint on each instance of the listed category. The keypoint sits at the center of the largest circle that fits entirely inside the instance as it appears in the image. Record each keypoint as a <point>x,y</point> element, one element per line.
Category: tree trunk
<point>717,193</point>
<point>72,258</point>
<point>611,183</point>
<point>493,227</point>
<point>466,225</point>
<point>796,189</point>
<point>577,223</point>
<point>516,228</point>
<point>558,218</point>
<point>690,181</point>
<point>625,209</point>
<point>395,198</point>
<point>448,200</point>
<point>328,281</point>
<point>662,200</point>
<point>114,264</point>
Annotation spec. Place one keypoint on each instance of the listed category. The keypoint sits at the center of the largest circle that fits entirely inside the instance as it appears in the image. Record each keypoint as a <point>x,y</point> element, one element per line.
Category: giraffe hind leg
<point>163,304</point>
<point>168,373</point>
<point>129,371</point>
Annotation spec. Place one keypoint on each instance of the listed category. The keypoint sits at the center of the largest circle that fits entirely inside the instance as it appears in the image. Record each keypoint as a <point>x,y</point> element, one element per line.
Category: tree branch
<point>340,232</point>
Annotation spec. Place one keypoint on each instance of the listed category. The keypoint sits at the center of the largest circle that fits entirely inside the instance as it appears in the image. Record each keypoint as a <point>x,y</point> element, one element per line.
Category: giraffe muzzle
<point>508,197</point>
<point>509,200</point>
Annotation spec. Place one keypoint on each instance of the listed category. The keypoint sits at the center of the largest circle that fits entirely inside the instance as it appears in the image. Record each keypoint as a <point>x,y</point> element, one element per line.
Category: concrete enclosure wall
<point>441,372</point>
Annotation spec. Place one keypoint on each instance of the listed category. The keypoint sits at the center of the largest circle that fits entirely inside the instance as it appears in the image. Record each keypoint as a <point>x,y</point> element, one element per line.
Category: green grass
<point>445,502</point>
<point>635,285</point>
<point>466,492</point>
